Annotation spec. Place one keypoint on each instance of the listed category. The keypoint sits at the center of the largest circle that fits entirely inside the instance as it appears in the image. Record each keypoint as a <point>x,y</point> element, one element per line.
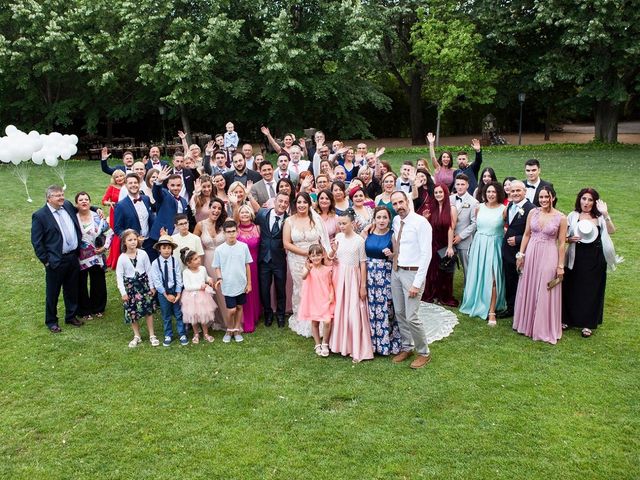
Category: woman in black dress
<point>586,262</point>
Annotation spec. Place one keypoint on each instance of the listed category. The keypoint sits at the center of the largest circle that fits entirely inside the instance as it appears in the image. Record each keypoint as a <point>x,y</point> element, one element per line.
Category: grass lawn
<point>492,404</point>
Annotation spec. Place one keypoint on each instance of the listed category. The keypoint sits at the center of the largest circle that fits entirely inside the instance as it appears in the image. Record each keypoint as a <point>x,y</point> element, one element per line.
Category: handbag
<point>448,264</point>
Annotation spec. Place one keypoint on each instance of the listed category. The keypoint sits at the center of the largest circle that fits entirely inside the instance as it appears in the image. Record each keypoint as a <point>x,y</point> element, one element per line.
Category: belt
<point>69,253</point>
<point>411,269</point>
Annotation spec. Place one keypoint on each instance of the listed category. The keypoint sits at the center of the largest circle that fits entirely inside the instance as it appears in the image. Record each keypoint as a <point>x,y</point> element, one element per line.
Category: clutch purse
<point>447,264</point>
<point>553,283</point>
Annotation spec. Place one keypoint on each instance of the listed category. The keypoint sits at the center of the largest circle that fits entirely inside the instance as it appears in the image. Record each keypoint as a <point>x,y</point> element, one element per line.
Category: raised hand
<point>208,149</point>
<point>265,130</point>
<point>181,134</point>
<point>379,152</point>
<point>302,142</point>
<point>163,231</point>
<point>164,174</point>
<point>145,159</point>
<point>602,207</point>
<point>249,185</point>
<point>431,138</point>
<point>475,143</point>
<point>104,154</point>
<point>197,186</point>
<point>233,198</point>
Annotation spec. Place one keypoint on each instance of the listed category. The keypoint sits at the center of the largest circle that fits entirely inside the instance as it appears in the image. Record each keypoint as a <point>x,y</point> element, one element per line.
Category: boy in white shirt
<point>183,238</point>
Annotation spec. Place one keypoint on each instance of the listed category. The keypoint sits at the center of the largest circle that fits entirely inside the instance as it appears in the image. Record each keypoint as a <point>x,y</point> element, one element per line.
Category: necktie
<point>165,280</point>
<point>276,226</point>
<point>66,234</point>
<point>295,167</point>
<point>272,192</point>
<point>177,197</point>
<point>397,246</point>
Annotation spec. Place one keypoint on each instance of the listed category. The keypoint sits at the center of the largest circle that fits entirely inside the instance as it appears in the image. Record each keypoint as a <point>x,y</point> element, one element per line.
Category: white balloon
<point>55,135</point>
<point>65,155</point>
<point>36,141</point>
<point>74,139</point>
<point>37,157</point>
<point>51,160</point>
<point>15,160</point>
<point>10,130</point>
<point>73,150</point>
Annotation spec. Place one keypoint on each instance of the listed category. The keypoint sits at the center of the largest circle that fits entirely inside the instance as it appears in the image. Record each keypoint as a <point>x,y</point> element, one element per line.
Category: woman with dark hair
<point>220,188</point>
<point>538,309</point>
<point>422,192</point>
<point>286,186</point>
<point>96,238</point>
<point>326,208</point>
<point>201,198</point>
<point>348,164</point>
<point>339,191</point>
<point>363,214</point>
<point>443,171</point>
<point>443,217</point>
<point>487,176</point>
<point>589,253</point>
<point>212,236</point>
<point>506,186</point>
<point>385,335</point>
<point>301,229</point>
<point>484,286</point>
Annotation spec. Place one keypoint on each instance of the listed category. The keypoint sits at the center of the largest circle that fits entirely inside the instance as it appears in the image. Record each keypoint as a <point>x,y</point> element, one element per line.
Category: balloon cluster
<point>18,147</point>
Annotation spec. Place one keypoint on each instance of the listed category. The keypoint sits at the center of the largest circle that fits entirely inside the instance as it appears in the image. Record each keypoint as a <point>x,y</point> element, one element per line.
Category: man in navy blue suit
<point>55,236</point>
<point>134,211</point>
<point>272,266</point>
<point>154,160</point>
<point>169,203</point>
<point>127,162</point>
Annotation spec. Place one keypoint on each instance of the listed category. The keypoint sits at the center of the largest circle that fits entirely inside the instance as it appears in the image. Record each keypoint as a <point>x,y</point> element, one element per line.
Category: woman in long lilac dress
<point>249,233</point>
<point>538,309</point>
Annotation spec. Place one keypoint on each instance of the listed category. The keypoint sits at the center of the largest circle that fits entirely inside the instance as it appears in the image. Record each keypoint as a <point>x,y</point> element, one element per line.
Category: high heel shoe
<point>492,321</point>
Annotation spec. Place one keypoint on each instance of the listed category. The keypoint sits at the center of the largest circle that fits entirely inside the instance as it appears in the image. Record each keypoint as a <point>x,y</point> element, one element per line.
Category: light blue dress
<point>485,264</point>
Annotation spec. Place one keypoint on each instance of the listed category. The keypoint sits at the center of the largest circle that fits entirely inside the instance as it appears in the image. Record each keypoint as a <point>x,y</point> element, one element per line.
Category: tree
<point>446,44</point>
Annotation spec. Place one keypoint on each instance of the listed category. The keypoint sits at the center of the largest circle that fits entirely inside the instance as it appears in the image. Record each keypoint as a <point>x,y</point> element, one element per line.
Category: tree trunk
<point>547,124</point>
<point>109,129</point>
<point>606,113</point>
<point>186,127</point>
<point>415,109</point>
<point>438,127</point>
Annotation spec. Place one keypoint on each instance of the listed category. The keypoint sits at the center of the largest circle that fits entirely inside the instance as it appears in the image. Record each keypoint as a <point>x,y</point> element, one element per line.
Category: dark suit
<point>189,177</point>
<point>61,270</point>
<point>149,165</point>
<point>542,183</point>
<point>514,229</point>
<point>230,177</point>
<point>166,211</point>
<point>125,216</point>
<point>272,264</point>
<point>109,170</point>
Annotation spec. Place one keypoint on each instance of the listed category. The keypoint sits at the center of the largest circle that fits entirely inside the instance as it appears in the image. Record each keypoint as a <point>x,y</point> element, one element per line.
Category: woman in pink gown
<point>249,233</point>
<point>351,331</point>
<point>201,197</point>
<point>538,310</point>
<point>212,236</point>
<point>326,208</point>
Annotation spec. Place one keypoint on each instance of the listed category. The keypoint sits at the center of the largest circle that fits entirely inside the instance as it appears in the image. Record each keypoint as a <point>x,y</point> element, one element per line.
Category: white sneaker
<point>226,338</point>
<point>238,338</point>
<point>135,342</point>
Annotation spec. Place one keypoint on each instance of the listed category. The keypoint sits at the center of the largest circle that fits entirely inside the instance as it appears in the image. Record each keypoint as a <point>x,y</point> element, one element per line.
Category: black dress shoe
<point>280,322</point>
<point>75,322</point>
<point>55,329</point>
<point>505,314</point>
<point>268,319</point>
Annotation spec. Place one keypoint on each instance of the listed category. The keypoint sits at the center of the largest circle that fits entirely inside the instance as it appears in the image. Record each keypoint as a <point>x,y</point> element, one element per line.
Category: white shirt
<point>415,244</point>
<point>191,241</point>
<point>272,219</point>
<point>68,230</point>
<point>302,166</point>
<point>143,216</point>
<point>125,269</point>
<point>530,193</point>
<point>513,210</point>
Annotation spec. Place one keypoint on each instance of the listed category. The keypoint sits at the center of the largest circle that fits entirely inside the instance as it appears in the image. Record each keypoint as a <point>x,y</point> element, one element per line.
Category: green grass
<point>492,404</point>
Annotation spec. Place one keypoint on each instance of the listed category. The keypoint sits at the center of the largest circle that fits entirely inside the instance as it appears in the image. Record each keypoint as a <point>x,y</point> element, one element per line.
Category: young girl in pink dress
<point>198,306</point>
<point>316,297</point>
<point>351,333</point>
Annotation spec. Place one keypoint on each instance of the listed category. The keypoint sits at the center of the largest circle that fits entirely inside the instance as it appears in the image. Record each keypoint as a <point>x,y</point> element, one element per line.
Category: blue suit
<point>61,270</point>
<point>272,266</point>
<point>126,217</point>
<point>167,209</point>
<point>109,170</point>
<point>149,165</point>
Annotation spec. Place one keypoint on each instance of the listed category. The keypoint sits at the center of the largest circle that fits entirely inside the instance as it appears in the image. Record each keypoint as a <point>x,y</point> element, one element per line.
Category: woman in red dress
<point>110,200</point>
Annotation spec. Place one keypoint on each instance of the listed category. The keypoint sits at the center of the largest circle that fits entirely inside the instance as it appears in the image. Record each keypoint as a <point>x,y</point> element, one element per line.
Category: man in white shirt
<point>412,246</point>
<point>247,151</point>
<point>297,165</point>
<point>283,169</point>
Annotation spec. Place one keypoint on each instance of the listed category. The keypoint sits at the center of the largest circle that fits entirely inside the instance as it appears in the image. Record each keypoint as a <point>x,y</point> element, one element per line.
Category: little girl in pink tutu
<point>198,306</point>
<point>316,297</point>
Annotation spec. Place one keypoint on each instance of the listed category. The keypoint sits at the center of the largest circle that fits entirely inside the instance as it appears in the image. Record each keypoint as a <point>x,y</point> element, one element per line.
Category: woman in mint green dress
<point>484,287</point>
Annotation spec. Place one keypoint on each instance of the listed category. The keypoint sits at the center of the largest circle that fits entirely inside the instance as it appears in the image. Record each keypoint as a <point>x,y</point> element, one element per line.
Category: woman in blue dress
<point>484,291</point>
<point>385,335</point>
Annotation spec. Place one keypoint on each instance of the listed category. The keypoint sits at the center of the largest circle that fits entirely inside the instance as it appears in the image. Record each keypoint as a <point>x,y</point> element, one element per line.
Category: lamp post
<point>521,97</point>
<point>162,110</point>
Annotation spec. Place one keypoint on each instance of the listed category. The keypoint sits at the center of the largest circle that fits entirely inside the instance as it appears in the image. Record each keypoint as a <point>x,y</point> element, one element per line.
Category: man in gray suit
<point>265,188</point>
<point>466,225</point>
<point>283,170</point>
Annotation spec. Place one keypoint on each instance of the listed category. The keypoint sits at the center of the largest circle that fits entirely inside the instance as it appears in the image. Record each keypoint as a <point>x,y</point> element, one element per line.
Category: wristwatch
<point>519,255</point>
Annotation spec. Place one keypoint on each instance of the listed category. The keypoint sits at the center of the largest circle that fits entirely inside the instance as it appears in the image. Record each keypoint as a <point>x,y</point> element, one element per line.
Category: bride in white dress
<point>301,230</point>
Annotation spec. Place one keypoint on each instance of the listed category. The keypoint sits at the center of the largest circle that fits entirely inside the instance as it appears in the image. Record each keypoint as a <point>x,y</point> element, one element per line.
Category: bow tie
<point>405,184</point>
<point>136,200</point>
<point>177,197</point>
<point>177,172</point>
<point>528,185</point>
<point>458,198</point>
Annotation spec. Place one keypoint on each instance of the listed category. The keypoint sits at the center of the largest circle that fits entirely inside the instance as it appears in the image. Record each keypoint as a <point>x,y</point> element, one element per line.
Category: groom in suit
<point>533,184</point>
<point>55,236</point>
<point>517,212</point>
<point>134,211</point>
<point>168,204</point>
<point>273,261</point>
<point>466,225</point>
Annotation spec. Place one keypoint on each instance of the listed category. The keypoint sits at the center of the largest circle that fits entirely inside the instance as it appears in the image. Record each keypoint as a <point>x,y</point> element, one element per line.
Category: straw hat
<point>587,231</point>
<point>165,240</point>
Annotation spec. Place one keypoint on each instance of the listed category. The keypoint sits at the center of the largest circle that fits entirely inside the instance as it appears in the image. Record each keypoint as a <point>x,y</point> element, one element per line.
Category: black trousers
<point>269,272</point>
<point>92,291</point>
<point>64,277</point>
<point>511,278</point>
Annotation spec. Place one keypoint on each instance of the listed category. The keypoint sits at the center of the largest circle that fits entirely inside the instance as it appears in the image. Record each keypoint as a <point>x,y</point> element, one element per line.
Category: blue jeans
<point>168,309</point>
